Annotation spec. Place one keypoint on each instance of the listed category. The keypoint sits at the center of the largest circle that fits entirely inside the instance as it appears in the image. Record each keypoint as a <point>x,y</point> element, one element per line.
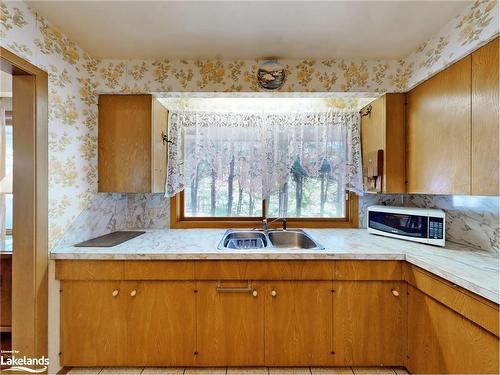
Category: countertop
<point>472,269</point>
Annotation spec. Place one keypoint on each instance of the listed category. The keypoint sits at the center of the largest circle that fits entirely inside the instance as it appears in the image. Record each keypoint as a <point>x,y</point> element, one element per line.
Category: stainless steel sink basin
<point>244,239</point>
<point>260,239</point>
<point>293,239</point>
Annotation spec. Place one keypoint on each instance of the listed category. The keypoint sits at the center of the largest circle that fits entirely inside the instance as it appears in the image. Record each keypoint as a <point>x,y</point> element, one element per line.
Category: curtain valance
<point>258,149</point>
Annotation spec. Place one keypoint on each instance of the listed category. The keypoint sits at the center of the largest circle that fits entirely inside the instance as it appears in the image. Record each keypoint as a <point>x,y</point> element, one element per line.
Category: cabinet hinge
<point>332,290</point>
<point>195,291</point>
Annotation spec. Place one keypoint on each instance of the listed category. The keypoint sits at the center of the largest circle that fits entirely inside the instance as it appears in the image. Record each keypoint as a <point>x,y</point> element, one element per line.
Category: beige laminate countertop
<point>472,269</point>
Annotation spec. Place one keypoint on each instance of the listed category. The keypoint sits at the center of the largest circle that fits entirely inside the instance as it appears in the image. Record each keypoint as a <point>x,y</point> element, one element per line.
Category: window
<point>8,198</point>
<point>223,159</point>
<point>300,197</point>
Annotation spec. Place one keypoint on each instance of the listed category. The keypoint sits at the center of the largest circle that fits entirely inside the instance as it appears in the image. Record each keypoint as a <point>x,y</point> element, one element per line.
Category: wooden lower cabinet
<point>369,323</point>
<point>442,341</point>
<point>117,323</point>
<point>370,313</point>
<point>93,323</point>
<point>230,323</point>
<point>299,323</point>
<point>161,324</point>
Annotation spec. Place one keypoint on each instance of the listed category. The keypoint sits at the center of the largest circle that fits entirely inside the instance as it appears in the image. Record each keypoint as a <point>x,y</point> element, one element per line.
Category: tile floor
<point>236,370</point>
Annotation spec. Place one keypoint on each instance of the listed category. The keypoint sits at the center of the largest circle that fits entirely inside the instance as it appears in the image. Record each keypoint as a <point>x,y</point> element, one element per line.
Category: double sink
<point>268,239</point>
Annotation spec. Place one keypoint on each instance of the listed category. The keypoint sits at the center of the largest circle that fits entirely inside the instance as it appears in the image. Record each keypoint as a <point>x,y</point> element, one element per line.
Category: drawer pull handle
<point>395,293</point>
<point>274,293</point>
<point>254,293</point>
<point>133,293</point>
<point>115,292</point>
<point>246,289</point>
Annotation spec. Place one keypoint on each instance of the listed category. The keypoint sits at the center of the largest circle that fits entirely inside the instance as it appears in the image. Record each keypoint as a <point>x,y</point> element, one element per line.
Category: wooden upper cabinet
<point>485,120</point>
<point>383,144</point>
<point>131,155</point>
<point>439,132</point>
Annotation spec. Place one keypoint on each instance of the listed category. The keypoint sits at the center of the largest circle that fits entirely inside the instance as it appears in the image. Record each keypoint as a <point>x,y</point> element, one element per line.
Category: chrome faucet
<point>265,223</point>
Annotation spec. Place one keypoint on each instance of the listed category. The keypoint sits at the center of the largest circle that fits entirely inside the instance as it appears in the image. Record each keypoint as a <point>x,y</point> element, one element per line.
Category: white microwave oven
<point>408,223</point>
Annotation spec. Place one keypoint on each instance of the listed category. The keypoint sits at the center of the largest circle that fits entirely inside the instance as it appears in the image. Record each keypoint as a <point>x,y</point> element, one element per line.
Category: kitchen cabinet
<point>439,132</point>
<point>369,323</point>
<point>160,325</point>
<point>485,120</point>
<point>383,144</point>
<point>113,323</point>
<point>230,328</point>
<point>272,313</point>
<point>132,157</point>
<point>299,323</point>
<point>6,292</point>
<point>453,128</point>
<point>93,323</point>
<point>442,341</point>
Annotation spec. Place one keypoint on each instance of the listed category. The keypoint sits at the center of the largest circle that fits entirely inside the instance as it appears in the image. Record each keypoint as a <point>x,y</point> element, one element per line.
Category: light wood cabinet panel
<point>267,270</point>
<point>299,323</point>
<point>442,341</point>
<point>130,156</point>
<point>161,324</point>
<point>369,323</point>
<point>383,144</point>
<point>471,306</point>
<point>485,120</point>
<point>439,132</point>
<point>93,323</point>
<point>368,270</point>
<point>230,324</point>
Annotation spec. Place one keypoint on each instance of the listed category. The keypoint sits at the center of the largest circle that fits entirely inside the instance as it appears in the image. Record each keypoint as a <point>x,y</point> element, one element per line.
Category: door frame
<point>30,186</point>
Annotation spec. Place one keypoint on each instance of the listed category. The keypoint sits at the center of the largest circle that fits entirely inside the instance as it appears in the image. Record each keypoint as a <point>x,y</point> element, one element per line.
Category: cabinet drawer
<point>264,270</point>
<point>159,270</point>
<point>482,312</point>
<point>368,270</point>
<point>89,270</point>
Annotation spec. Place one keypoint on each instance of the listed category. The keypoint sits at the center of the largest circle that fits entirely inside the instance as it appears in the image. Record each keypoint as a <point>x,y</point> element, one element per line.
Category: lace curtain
<point>257,150</point>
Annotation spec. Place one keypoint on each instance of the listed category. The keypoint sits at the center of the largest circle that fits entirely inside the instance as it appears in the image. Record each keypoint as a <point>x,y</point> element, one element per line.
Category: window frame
<point>179,221</point>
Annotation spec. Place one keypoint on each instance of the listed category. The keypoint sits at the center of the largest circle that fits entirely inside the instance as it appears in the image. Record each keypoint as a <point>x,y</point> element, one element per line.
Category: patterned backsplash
<point>470,220</point>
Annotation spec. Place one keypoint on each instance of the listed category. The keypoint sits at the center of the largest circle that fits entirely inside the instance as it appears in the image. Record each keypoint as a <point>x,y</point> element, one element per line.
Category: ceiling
<point>249,29</point>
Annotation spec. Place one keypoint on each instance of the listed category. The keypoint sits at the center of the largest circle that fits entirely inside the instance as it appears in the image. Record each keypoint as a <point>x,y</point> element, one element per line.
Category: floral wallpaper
<point>475,26</point>
<point>75,79</point>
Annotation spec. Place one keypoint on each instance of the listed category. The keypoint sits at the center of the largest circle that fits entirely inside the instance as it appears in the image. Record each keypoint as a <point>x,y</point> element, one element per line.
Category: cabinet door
<point>124,143</point>
<point>369,323</point>
<point>442,341</point>
<point>439,132</point>
<point>299,323</point>
<point>230,328</point>
<point>485,118</point>
<point>161,321</point>
<point>93,323</point>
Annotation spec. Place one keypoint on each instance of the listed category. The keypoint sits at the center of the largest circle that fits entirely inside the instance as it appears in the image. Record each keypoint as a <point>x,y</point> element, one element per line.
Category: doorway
<point>23,208</point>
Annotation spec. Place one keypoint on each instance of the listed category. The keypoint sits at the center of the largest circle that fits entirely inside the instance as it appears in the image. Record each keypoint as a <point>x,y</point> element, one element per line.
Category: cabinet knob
<point>274,293</point>
<point>254,293</point>
<point>133,293</point>
<point>395,293</point>
<point>115,292</point>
